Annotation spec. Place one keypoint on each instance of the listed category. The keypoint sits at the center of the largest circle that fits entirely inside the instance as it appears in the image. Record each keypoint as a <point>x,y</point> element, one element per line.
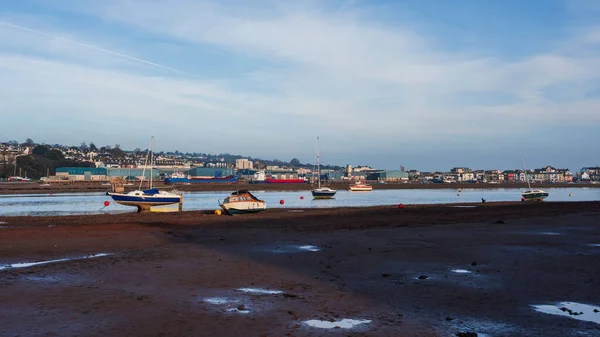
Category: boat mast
<point>526,176</point>
<point>151,159</point>
<point>318,163</point>
<point>145,164</point>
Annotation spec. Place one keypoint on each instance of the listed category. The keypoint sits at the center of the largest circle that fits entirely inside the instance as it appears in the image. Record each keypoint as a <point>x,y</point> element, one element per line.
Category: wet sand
<point>77,187</point>
<point>178,274</point>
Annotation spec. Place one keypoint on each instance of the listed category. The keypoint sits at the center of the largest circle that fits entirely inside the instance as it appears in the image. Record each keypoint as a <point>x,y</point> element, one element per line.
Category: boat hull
<point>323,194</point>
<point>236,208</point>
<point>284,181</point>
<point>228,179</point>
<point>535,195</point>
<point>361,188</point>
<point>145,201</point>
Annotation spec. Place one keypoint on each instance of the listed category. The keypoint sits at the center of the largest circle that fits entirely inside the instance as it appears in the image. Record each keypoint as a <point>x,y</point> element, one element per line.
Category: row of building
<point>456,175</point>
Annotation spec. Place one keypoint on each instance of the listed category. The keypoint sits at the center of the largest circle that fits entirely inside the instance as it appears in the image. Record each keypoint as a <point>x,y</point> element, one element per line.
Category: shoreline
<point>80,187</point>
<point>473,209</point>
<point>104,275</point>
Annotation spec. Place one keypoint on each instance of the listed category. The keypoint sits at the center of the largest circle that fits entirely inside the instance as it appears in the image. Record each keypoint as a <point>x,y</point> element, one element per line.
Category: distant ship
<point>179,177</point>
<point>284,181</point>
<point>17,178</point>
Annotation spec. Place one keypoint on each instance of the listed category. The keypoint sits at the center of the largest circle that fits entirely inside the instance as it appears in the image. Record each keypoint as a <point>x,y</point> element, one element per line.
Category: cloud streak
<point>92,47</point>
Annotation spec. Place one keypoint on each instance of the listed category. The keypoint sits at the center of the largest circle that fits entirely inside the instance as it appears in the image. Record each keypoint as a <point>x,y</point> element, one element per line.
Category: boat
<point>177,177</point>
<point>226,179</point>
<point>242,202</point>
<point>532,194</point>
<point>145,199</point>
<point>284,181</point>
<point>360,187</point>
<point>321,192</point>
<point>19,179</point>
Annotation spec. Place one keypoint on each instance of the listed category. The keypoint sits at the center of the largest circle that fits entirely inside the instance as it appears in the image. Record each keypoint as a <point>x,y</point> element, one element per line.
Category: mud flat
<point>430,270</point>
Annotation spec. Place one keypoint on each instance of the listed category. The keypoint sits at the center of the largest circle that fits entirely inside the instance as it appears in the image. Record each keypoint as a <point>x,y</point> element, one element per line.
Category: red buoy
<point>106,203</point>
<point>281,202</point>
<point>301,197</point>
<point>401,206</point>
<point>522,199</point>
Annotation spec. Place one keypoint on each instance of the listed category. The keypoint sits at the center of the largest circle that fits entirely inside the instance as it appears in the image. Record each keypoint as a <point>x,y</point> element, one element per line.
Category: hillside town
<point>29,161</point>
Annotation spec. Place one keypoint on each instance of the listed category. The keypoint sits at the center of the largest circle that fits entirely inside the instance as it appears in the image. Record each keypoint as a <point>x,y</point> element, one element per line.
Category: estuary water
<point>93,203</point>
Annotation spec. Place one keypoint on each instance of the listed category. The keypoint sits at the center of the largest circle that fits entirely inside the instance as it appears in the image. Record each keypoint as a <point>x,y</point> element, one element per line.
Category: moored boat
<point>321,192</point>
<point>242,202</point>
<point>535,195</point>
<point>145,199</point>
<point>359,187</point>
<point>532,195</point>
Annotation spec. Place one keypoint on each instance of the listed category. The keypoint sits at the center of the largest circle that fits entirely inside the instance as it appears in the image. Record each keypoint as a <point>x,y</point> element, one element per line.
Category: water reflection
<point>93,203</point>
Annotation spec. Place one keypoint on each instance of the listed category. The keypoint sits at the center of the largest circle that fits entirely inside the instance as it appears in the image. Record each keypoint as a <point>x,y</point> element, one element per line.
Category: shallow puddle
<point>241,311</point>
<point>344,323</point>
<point>582,312</point>
<point>260,291</point>
<point>461,271</point>
<point>31,264</point>
<point>35,278</point>
<point>309,248</point>
<point>595,244</point>
<point>217,300</point>
<point>550,233</point>
<point>464,206</point>
<point>296,249</point>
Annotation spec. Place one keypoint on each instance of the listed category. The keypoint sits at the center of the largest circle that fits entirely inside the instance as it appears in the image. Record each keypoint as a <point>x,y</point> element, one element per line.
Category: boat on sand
<point>242,202</point>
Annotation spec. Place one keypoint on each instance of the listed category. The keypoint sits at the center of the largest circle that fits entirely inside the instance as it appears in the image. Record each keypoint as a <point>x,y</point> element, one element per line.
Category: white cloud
<point>336,73</point>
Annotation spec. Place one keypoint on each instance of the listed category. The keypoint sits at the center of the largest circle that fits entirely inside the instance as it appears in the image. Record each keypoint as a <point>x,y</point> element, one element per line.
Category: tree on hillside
<point>40,150</point>
<point>93,147</point>
<point>84,148</point>
<point>117,152</point>
<point>295,162</point>
<point>54,155</point>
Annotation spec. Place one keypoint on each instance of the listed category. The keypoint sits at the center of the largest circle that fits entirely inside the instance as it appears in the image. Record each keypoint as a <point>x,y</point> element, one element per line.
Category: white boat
<point>531,194</point>
<point>321,192</point>
<point>242,202</point>
<point>145,199</point>
<point>361,187</point>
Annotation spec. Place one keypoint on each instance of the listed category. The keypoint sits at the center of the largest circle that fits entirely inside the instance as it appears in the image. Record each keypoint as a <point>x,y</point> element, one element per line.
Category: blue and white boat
<point>145,199</point>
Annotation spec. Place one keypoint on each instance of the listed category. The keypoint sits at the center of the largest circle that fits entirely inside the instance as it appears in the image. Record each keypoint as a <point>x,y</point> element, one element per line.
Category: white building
<point>242,164</point>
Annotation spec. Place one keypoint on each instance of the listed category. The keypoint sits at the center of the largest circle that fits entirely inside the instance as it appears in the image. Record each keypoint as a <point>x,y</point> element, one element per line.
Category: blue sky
<point>425,84</point>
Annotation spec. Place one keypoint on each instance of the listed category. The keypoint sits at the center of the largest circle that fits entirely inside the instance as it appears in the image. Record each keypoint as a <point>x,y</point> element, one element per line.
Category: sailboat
<point>321,192</point>
<point>145,199</point>
<point>532,195</point>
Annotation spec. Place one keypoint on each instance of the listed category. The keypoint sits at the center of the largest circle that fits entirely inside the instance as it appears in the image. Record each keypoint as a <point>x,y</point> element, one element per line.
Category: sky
<point>429,85</point>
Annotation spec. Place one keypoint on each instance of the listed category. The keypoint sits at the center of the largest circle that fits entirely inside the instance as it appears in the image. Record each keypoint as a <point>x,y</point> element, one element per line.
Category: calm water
<point>93,203</point>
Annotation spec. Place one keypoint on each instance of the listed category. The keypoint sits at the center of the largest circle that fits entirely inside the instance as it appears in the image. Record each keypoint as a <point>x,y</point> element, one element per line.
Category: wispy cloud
<point>284,72</point>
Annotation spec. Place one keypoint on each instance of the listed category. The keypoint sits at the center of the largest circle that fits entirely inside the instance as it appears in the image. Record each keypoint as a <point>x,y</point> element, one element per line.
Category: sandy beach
<point>193,273</point>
